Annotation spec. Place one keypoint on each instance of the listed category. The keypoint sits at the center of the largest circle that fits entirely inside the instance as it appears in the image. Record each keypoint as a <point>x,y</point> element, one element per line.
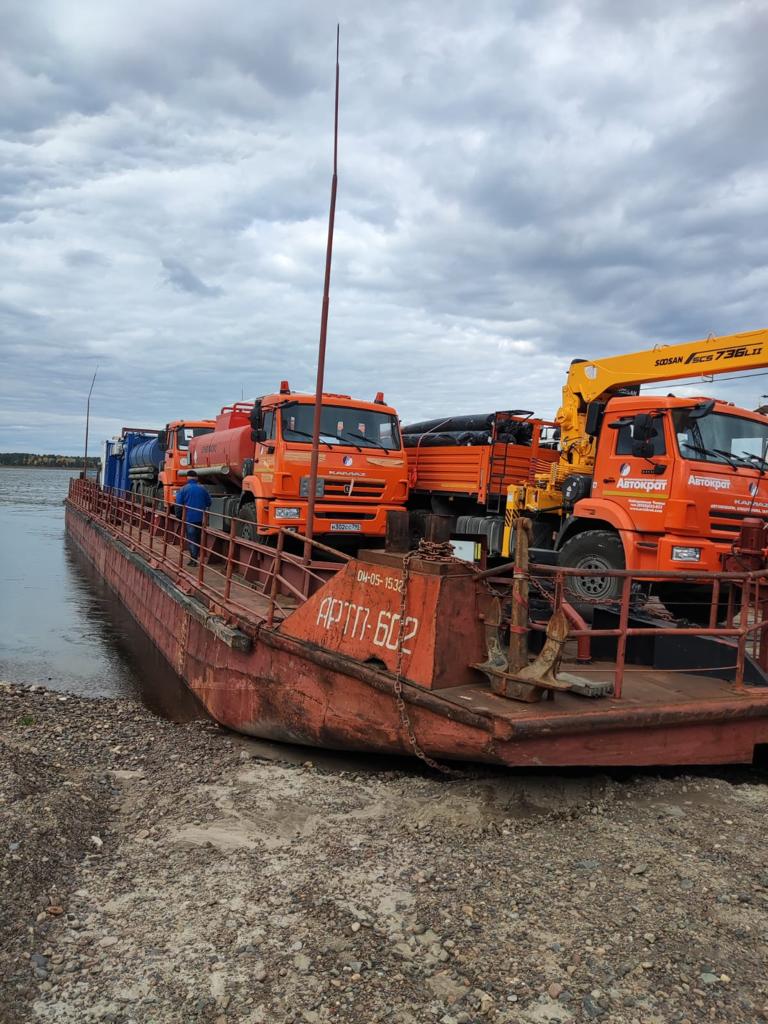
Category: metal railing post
<point>741,654</point>
<point>182,531</point>
<point>230,557</point>
<point>201,553</point>
<point>165,532</point>
<point>152,523</point>
<point>518,625</point>
<point>277,565</point>
<point>621,643</point>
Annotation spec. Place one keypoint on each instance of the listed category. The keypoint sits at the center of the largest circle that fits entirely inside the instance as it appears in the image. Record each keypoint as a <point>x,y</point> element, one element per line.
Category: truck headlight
<point>286,513</point>
<point>686,554</point>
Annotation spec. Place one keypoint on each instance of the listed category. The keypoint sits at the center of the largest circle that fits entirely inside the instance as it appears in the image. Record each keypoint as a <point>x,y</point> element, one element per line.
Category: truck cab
<point>174,441</point>
<point>256,465</point>
<point>675,478</point>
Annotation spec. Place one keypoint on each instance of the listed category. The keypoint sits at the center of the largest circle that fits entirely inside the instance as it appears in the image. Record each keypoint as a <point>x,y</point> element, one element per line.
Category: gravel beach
<point>156,872</point>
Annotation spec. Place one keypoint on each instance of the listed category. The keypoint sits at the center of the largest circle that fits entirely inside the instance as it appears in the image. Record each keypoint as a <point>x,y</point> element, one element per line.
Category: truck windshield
<point>185,434</point>
<point>721,438</point>
<point>342,426</point>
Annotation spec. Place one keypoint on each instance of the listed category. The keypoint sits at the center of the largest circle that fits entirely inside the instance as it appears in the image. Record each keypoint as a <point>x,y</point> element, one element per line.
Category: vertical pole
<point>275,577</point>
<point>152,523</point>
<point>743,634</point>
<point>309,532</point>
<point>141,516</point>
<point>621,643</point>
<point>201,554</point>
<point>88,423</point>
<point>518,626</point>
<point>165,532</point>
<point>715,603</point>
<point>181,534</point>
<point>230,557</point>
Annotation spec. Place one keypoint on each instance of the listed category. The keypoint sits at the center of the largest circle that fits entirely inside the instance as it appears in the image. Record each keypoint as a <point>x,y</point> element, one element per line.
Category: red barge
<point>416,652</point>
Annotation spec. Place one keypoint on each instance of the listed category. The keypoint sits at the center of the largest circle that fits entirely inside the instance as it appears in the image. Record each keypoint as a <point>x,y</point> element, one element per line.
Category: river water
<point>60,624</point>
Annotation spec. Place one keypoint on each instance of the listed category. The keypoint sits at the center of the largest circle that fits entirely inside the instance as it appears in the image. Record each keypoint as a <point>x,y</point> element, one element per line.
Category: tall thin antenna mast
<point>88,422</point>
<point>323,325</point>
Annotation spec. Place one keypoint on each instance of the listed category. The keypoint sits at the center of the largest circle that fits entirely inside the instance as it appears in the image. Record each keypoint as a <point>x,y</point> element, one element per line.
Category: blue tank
<point>147,454</point>
<point>133,450</point>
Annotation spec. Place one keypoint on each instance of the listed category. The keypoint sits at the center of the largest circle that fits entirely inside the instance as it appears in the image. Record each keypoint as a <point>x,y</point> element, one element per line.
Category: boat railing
<point>728,605</point>
<point>250,580</point>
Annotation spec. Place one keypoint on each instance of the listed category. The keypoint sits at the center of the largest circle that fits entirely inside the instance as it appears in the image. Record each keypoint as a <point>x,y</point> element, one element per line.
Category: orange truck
<point>647,482</point>
<point>256,462</point>
<point>463,466</point>
<point>151,463</point>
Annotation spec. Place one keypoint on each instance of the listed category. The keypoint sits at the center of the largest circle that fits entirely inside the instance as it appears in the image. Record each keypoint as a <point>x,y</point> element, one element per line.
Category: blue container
<point>147,454</point>
<point>133,450</point>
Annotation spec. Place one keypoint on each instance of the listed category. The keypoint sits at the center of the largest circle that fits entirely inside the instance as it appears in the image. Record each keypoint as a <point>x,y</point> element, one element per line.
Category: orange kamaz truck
<point>647,481</point>
<point>463,466</point>
<point>256,463</point>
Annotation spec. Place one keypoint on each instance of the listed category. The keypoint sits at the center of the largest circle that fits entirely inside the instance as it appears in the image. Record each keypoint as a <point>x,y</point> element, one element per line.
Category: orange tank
<point>228,446</point>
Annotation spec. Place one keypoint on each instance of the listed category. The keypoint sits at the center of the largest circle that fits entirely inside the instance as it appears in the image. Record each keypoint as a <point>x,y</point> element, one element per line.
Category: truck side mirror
<point>643,427</point>
<point>162,440</point>
<point>643,432</point>
<point>594,418</point>
<point>642,449</point>
<point>258,433</point>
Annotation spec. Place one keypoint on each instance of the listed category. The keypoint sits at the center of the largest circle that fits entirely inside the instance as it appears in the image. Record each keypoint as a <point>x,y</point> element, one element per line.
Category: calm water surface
<point>60,625</point>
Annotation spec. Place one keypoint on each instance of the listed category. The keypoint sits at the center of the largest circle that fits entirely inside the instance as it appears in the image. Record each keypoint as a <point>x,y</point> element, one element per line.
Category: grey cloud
<point>519,183</point>
<point>85,258</point>
<point>182,279</point>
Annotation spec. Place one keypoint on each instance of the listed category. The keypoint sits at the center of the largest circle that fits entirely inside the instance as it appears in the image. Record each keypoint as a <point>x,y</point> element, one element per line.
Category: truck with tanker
<point>151,463</point>
<point>641,481</point>
<point>255,464</point>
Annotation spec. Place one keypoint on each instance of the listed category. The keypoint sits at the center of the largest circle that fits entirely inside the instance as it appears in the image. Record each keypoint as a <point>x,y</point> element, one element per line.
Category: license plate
<point>345,527</point>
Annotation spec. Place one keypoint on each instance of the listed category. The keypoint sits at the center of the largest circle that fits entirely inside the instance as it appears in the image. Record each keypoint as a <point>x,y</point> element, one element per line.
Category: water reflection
<point>60,624</point>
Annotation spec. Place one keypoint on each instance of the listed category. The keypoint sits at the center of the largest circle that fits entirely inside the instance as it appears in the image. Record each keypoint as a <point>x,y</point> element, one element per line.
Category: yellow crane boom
<point>589,381</point>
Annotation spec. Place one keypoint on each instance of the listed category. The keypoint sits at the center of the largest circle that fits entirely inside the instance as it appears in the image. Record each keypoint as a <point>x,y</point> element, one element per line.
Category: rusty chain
<point>430,551</point>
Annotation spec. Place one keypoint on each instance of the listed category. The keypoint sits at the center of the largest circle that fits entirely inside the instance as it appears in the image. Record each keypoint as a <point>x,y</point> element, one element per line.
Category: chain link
<point>429,551</point>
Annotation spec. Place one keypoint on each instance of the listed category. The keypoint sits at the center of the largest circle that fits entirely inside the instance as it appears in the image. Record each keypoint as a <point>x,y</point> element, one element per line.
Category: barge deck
<point>407,653</point>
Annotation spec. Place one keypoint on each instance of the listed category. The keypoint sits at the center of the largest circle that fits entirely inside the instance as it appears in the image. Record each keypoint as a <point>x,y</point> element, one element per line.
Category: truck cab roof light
<point>284,387</point>
<point>379,399</point>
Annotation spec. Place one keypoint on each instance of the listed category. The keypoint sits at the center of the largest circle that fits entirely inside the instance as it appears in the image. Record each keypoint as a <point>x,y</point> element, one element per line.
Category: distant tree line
<point>46,461</point>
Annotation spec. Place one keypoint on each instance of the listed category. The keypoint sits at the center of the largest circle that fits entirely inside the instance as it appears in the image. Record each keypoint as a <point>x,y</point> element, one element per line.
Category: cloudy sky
<point>521,182</point>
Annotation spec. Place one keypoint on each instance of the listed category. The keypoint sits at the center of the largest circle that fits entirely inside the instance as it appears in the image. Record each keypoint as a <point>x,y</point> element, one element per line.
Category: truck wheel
<point>593,549</point>
<point>246,528</point>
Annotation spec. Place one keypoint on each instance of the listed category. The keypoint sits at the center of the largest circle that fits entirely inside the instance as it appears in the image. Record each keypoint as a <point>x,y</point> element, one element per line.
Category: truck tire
<point>246,528</point>
<point>593,549</point>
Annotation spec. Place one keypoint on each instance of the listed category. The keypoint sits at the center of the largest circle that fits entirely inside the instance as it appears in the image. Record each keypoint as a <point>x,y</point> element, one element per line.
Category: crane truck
<point>645,482</point>
<point>255,465</point>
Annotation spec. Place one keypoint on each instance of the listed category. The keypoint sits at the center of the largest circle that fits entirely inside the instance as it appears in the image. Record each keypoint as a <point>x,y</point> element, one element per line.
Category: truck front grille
<point>363,490</point>
<point>728,521</point>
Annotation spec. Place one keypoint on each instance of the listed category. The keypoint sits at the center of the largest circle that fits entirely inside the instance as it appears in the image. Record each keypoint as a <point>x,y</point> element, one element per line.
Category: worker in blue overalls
<point>196,500</point>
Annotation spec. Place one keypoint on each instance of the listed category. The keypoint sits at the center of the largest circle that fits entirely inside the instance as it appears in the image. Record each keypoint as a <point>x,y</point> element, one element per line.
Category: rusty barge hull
<point>273,683</point>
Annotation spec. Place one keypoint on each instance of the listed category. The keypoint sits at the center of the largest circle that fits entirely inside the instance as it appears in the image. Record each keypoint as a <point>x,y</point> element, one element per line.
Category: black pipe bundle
<point>451,424</point>
<point>448,438</point>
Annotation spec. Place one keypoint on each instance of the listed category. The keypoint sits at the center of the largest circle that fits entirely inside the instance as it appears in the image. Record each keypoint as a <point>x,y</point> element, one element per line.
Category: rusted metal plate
<point>359,613</point>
